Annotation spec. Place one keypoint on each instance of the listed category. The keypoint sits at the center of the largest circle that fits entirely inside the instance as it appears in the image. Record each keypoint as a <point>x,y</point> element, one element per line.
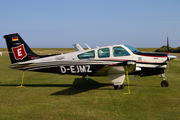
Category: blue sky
<point>61,23</point>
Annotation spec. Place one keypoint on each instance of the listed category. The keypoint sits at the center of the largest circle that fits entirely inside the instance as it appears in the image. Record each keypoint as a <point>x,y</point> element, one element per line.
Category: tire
<point>122,86</point>
<point>164,83</point>
<point>119,87</point>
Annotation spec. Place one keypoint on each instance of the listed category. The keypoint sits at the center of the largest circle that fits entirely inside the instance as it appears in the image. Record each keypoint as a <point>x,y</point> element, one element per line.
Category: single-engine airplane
<point>113,61</point>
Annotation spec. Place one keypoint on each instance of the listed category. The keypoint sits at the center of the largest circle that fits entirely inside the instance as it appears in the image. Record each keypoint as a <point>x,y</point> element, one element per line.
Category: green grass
<point>147,49</point>
<point>53,97</point>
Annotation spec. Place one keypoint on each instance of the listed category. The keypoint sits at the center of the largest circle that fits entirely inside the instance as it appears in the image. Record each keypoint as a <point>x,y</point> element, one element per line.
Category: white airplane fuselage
<point>113,61</point>
<point>151,61</point>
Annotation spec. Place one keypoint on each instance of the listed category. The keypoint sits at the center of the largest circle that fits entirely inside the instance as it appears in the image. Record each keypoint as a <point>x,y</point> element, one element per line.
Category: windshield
<point>134,50</point>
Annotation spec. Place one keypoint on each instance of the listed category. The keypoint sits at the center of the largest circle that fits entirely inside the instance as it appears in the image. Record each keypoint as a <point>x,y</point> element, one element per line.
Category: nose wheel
<point>119,87</point>
<point>164,83</point>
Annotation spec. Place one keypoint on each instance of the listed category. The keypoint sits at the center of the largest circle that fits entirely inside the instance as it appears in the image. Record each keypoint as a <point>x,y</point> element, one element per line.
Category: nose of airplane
<point>171,57</point>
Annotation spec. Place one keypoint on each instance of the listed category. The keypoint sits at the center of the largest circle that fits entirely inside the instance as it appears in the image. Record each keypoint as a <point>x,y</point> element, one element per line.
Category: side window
<point>119,51</point>
<point>86,55</point>
<point>103,53</point>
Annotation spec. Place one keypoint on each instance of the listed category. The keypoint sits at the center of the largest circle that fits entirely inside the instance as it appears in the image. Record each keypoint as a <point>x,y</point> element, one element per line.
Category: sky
<point>62,23</point>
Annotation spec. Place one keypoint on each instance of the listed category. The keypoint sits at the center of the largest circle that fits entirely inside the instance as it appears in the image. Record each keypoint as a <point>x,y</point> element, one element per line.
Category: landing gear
<point>84,77</point>
<point>121,87</point>
<point>164,83</point>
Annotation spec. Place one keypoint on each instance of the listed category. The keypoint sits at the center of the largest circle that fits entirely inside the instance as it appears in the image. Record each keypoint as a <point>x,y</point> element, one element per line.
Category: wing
<point>114,70</point>
<point>97,68</point>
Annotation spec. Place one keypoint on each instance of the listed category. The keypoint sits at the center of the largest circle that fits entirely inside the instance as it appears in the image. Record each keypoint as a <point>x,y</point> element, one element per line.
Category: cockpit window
<point>119,51</point>
<point>103,53</point>
<point>86,55</point>
<point>134,50</point>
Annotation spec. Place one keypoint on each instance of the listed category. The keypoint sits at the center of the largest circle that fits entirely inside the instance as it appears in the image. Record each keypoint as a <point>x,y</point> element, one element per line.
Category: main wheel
<point>119,87</point>
<point>164,83</point>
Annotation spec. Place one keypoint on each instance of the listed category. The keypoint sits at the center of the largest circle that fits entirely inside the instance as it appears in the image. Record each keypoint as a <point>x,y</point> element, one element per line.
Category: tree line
<point>164,49</point>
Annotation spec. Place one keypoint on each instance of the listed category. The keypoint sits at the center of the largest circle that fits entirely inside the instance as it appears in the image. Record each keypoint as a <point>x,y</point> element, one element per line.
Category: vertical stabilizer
<point>18,50</point>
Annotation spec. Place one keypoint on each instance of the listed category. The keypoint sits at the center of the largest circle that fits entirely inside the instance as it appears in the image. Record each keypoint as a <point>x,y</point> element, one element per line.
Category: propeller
<point>169,56</point>
<point>167,52</point>
<point>167,46</point>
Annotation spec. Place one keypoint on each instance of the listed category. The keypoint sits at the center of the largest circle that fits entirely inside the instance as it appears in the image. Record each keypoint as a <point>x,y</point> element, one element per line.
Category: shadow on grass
<point>78,86</point>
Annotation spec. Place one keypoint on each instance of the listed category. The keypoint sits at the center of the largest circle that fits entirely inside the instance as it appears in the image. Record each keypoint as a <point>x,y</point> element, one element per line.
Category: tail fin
<point>18,50</point>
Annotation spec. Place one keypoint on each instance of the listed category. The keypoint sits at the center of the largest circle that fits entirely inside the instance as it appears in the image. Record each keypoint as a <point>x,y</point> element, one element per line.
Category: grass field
<point>53,97</point>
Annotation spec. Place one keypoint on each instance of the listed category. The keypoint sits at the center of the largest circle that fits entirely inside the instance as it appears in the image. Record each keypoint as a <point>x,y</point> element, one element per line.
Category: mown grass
<point>147,49</point>
<point>52,97</point>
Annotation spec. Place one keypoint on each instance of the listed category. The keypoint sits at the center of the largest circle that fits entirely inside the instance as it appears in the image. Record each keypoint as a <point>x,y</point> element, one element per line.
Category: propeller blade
<point>167,46</point>
<point>170,57</point>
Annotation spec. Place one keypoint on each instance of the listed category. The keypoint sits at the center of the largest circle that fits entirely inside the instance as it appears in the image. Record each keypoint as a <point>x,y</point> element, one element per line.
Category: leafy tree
<point>164,49</point>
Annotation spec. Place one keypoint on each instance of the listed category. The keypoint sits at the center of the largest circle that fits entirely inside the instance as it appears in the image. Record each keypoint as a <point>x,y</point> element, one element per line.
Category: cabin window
<point>119,51</point>
<point>86,55</point>
<point>134,50</point>
<point>103,53</point>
